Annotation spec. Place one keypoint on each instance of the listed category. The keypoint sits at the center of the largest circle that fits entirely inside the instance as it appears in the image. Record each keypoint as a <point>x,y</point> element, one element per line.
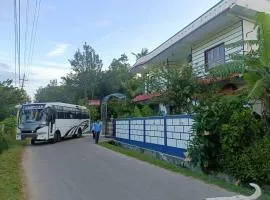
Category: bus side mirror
<point>53,118</point>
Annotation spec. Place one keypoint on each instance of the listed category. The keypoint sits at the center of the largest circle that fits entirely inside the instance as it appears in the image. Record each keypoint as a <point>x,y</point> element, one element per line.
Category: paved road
<point>79,170</point>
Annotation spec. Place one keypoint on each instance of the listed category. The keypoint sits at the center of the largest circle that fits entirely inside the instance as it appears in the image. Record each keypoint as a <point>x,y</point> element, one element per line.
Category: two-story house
<point>203,42</point>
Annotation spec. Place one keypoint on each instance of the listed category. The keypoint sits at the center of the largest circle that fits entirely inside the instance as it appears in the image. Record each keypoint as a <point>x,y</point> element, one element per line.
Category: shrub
<point>9,128</point>
<point>7,132</point>
<point>137,112</point>
<point>252,164</point>
<point>242,130</point>
<point>231,139</point>
<point>3,143</point>
<point>147,111</point>
<point>210,115</point>
<point>94,113</point>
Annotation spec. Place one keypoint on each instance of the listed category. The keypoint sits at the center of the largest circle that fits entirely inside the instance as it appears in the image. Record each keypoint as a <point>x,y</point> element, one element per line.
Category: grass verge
<point>11,176</point>
<point>173,168</point>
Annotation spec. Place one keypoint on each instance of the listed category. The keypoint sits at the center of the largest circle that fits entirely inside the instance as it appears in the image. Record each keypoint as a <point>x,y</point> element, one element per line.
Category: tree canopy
<point>88,79</point>
<point>10,96</point>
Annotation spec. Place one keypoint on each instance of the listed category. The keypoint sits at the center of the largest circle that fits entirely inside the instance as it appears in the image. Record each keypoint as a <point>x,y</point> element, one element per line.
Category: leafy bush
<point>7,132</point>
<point>211,114</point>
<point>147,111</point>
<point>3,143</point>
<point>245,149</point>
<point>137,112</point>
<point>242,130</point>
<point>231,139</point>
<point>252,164</point>
<point>9,127</point>
<point>94,113</point>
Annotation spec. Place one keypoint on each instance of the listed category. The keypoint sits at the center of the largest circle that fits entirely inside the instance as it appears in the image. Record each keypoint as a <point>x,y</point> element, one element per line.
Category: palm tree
<point>143,52</point>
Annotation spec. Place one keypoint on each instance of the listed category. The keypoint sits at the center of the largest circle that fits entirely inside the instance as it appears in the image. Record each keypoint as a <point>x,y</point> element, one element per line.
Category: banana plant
<point>254,65</point>
<point>257,75</point>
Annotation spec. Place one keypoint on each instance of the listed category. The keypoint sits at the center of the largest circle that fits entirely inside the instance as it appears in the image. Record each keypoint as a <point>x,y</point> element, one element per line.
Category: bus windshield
<point>32,113</point>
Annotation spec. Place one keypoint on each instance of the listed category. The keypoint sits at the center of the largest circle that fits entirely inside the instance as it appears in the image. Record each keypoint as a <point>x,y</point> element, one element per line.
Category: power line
<point>28,48</point>
<point>19,43</point>
<point>26,33</point>
<point>15,37</point>
<point>35,31</point>
<point>33,35</point>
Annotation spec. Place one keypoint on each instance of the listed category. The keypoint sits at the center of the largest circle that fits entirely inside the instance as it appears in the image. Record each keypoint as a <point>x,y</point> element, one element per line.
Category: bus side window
<point>65,115</point>
<point>80,115</point>
<point>68,115</point>
<point>77,115</point>
<point>73,114</point>
<point>61,115</point>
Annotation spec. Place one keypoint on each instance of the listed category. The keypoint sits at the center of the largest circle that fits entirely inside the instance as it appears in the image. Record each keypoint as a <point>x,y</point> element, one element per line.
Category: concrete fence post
<point>165,131</point>
<point>144,137</point>
<point>129,129</point>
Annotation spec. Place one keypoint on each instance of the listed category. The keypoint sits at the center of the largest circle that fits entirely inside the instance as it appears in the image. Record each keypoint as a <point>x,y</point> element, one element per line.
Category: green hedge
<point>232,139</point>
<point>7,133</point>
<point>250,165</point>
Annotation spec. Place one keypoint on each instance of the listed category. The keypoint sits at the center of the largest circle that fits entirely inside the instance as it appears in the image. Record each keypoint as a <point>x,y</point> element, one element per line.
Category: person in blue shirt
<point>97,130</point>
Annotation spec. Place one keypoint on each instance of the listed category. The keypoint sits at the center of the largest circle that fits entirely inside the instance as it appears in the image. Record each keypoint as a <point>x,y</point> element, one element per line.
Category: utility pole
<point>23,81</point>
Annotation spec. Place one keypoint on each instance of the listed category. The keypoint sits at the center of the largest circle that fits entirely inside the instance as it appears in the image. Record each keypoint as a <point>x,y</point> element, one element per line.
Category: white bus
<point>51,121</point>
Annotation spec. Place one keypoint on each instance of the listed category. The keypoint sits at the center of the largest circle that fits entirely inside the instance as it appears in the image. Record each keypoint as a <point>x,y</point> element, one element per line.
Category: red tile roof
<point>94,102</point>
<point>144,97</point>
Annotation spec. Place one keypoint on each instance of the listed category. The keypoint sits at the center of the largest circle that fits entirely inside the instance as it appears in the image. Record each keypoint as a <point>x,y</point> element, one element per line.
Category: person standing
<point>93,129</point>
<point>97,129</point>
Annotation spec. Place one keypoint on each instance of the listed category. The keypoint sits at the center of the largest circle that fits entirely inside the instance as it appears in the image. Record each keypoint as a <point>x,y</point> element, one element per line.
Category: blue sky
<point>111,27</point>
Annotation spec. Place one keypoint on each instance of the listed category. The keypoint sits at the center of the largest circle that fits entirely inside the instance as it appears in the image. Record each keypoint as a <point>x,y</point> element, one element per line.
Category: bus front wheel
<point>54,139</point>
<point>59,137</point>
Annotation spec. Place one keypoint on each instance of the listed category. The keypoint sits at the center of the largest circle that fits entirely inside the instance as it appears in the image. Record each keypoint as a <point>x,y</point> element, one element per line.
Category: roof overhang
<point>215,19</point>
<point>94,102</point>
<point>144,97</point>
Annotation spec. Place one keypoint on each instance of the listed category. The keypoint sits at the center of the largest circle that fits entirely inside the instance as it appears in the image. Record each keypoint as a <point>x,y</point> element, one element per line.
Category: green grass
<point>173,168</point>
<point>11,175</point>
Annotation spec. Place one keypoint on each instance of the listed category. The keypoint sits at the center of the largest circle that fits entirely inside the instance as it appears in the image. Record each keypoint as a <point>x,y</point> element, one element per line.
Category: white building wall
<point>249,33</point>
<point>258,5</point>
<point>228,36</point>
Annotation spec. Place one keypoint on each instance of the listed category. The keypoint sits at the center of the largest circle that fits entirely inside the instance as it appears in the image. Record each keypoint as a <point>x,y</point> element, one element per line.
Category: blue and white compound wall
<point>170,134</point>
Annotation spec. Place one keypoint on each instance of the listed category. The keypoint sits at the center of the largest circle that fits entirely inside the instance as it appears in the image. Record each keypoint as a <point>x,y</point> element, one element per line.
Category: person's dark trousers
<point>93,132</point>
<point>97,137</point>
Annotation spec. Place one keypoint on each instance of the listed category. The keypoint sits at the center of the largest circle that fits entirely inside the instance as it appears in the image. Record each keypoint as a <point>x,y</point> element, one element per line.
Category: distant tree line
<point>89,79</point>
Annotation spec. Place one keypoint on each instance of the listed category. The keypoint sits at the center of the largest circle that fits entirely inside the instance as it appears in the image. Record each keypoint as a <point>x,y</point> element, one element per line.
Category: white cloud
<point>4,66</point>
<point>46,73</point>
<point>42,72</point>
<point>59,50</point>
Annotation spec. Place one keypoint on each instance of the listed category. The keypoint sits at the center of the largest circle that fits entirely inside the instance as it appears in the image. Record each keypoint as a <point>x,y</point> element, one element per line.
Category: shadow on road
<point>42,143</point>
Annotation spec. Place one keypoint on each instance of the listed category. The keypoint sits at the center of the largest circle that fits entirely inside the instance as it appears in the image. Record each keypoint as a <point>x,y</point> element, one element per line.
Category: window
<point>214,56</point>
<point>60,115</point>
